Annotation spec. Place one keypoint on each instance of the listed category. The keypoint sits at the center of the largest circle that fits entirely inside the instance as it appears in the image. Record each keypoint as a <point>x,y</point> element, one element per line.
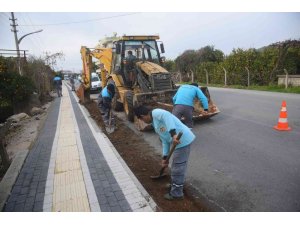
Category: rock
<point>36,118</point>
<point>18,117</point>
<point>46,106</point>
<point>14,126</point>
<point>36,111</point>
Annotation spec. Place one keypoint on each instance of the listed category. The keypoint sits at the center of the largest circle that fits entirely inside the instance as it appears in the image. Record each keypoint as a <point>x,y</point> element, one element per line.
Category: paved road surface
<point>239,161</point>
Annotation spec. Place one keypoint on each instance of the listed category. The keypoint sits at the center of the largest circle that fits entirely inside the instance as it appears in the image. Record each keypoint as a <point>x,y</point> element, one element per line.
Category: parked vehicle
<point>95,83</point>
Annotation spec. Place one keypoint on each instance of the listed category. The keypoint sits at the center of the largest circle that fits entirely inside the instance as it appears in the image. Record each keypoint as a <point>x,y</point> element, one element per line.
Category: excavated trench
<point>144,162</point>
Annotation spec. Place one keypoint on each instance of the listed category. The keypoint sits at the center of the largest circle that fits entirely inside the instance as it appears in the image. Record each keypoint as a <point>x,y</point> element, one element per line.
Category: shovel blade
<point>161,174</point>
<point>110,130</point>
<point>158,177</point>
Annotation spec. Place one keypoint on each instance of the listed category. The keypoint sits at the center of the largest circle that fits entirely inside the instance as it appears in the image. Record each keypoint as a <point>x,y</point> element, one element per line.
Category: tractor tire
<point>116,105</point>
<point>128,106</point>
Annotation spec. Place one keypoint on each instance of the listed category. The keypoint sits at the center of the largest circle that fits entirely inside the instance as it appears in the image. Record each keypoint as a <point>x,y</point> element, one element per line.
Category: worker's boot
<point>172,198</point>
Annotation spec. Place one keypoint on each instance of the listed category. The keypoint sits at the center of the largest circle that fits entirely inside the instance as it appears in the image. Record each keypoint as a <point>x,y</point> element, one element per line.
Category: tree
<point>170,65</point>
<point>190,60</point>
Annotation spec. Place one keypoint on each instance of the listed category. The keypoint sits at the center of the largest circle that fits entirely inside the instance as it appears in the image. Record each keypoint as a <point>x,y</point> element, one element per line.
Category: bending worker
<point>104,101</point>
<point>183,102</point>
<point>167,126</point>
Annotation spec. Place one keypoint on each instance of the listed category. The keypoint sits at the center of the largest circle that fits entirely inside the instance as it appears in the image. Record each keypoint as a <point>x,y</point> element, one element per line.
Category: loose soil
<point>144,162</point>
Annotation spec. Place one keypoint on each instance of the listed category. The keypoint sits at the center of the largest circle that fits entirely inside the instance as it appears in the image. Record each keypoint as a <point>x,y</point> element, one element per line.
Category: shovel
<point>161,175</point>
<point>110,128</point>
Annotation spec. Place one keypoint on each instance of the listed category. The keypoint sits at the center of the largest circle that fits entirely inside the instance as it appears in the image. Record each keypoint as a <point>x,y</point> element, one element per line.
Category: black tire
<point>128,106</point>
<point>116,105</point>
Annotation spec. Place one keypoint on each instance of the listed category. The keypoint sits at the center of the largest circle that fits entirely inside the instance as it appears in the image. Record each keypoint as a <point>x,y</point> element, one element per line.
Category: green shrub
<point>14,88</point>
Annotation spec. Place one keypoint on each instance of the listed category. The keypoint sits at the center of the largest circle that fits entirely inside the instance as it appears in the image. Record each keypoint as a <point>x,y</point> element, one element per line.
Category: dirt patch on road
<point>144,162</point>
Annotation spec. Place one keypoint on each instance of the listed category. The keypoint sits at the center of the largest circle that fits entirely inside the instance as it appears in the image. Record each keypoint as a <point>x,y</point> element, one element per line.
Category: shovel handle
<point>174,146</point>
<point>171,152</point>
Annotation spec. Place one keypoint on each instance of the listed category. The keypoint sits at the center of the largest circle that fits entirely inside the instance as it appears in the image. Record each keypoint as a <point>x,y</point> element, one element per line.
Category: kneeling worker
<point>167,126</point>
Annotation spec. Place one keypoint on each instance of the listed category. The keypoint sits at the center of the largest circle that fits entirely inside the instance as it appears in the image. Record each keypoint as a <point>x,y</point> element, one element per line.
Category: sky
<point>67,31</point>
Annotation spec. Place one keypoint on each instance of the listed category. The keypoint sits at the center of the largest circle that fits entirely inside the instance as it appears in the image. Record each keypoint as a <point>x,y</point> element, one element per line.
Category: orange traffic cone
<point>283,124</point>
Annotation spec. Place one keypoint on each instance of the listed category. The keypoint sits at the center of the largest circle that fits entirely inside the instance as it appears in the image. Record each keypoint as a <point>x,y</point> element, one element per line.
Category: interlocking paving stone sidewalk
<point>29,189</point>
<point>69,150</point>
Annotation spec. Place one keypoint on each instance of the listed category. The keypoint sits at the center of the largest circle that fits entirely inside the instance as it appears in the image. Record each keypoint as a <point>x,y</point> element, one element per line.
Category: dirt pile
<point>144,162</point>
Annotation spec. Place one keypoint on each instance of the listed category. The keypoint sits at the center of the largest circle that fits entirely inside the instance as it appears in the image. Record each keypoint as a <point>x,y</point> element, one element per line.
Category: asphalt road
<point>238,161</point>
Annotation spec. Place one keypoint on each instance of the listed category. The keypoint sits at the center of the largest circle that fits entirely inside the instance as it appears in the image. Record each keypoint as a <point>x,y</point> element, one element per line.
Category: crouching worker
<point>104,101</point>
<point>167,126</point>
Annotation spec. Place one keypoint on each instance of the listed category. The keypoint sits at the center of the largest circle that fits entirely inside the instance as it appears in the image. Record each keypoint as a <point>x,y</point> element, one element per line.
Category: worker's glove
<point>164,163</point>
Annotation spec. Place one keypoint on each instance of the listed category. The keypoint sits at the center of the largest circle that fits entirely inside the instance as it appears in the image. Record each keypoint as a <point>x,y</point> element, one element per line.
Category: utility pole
<point>18,41</point>
<point>225,77</point>
<point>14,29</point>
<point>248,78</point>
<point>286,78</point>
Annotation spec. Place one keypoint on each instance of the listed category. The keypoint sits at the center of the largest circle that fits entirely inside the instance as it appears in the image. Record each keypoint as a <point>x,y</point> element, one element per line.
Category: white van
<point>95,82</point>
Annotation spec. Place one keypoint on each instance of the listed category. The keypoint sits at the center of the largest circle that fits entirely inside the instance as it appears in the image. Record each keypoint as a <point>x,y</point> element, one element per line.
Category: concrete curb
<point>10,177</point>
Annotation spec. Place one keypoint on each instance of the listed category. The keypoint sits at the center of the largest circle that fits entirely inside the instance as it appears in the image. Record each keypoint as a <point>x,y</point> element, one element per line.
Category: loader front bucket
<point>198,108</point>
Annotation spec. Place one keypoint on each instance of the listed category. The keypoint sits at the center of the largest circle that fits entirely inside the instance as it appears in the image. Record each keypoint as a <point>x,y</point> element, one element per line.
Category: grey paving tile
<point>39,197</point>
<point>97,183</point>
<point>38,207</point>
<point>105,208</point>
<point>28,207</point>
<point>24,191</point>
<point>26,183</point>
<point>16,189</point>
<point>119,195</point>
<point>30,200</point>
<point>12,198</point>
<point>21,199</point>
<point>9,207</point>
<point>102,177</point>
<point>116,208</point>
<point>32,192</point>
<point>99,190</point>
<point>19,207</point>
<point>108,193</point>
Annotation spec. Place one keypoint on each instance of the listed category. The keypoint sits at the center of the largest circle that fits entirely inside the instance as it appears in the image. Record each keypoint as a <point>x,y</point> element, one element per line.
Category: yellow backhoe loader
<point>136,66</point>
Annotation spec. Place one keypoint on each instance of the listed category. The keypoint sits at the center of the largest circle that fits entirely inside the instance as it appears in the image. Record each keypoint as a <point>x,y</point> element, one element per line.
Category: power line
<point>3,19</point>
<point>33,39</point>
<point>82,21</point>
<point>4,14</point>
<point>41,42</point>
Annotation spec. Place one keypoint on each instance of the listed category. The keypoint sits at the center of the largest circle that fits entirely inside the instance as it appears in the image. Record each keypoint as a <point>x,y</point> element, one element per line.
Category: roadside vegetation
<point>209,66</point>
<point>271,88</point>
<point>16,90</point>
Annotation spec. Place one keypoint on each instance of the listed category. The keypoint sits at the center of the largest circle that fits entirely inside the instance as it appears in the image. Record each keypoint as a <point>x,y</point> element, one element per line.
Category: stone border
<point>11,176</point>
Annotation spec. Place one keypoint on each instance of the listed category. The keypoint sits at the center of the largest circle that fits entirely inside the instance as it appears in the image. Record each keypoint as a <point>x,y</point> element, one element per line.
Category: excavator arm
<point>104,55</point>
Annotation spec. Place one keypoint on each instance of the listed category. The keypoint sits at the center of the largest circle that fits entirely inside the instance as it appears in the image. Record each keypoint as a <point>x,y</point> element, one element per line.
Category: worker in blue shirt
<point>58,85</point>
<point>104,101</point>
<point>183,102</point>
<point>167,126</point>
